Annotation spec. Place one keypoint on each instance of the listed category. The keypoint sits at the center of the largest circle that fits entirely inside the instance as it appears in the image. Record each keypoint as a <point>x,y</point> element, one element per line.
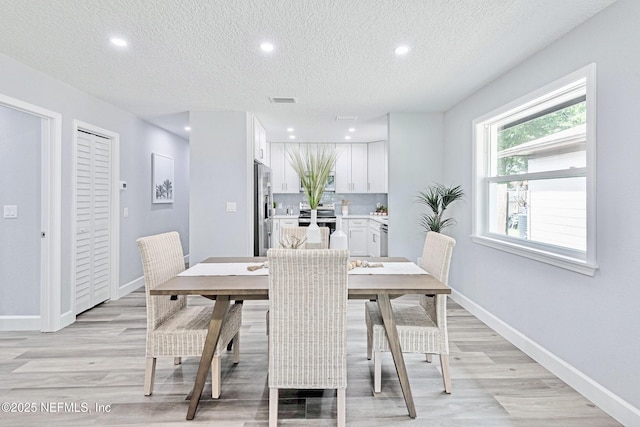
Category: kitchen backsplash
<point>361,204</point>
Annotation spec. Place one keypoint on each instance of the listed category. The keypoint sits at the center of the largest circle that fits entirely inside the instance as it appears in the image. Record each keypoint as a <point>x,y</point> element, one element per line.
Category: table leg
<point>213,335</point>
<point>384,304</point>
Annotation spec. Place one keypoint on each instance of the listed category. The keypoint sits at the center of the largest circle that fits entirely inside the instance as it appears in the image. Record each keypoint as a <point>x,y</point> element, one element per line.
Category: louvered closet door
<point>93,233</point>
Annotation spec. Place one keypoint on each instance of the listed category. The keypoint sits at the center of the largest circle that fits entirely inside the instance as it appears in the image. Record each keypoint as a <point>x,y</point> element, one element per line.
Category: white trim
<point>130,287</point>
<point>481,167</point>
<point>604,398</point>
<point>67,318</point>
<point>249,194</point>
<point>115,206</point>
<point>51,211</point>
<point>20,323</point>
<point>561,173</point>
<point>572,264</point>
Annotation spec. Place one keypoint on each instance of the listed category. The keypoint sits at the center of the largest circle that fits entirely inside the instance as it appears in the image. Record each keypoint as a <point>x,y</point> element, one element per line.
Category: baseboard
<point>130,287</point>
<point>20,323</point>
<point>606,400</point>
<point>67,318</point>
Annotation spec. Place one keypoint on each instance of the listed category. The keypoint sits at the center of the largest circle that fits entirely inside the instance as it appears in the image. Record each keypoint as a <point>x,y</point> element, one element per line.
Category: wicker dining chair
<point>300,233</point>
<point>175,329</point>
<point>422,326</point>
<point>308,316</point>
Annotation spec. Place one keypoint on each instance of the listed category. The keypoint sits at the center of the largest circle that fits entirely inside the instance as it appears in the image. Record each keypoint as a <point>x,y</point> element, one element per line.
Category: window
<point>534,189</point>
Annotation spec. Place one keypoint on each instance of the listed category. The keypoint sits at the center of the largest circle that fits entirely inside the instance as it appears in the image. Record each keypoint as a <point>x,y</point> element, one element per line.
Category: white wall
<point>591,323</point>
<point>138,139</point>
<point>221,168</point>
<point>415,161</point>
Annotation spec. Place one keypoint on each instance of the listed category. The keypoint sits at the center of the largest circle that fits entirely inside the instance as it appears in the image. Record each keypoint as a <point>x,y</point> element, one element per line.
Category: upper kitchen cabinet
<point>351,168</point>
<point>377,167</point>
<point>260,142</point>
<point>284,178</point>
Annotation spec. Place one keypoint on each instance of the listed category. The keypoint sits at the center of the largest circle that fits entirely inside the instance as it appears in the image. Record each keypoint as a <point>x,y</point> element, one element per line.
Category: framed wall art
<point>162,182</point>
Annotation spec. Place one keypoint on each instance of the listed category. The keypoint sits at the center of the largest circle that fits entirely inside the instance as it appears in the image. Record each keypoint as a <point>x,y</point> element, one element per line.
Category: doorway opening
<point>30,227</point>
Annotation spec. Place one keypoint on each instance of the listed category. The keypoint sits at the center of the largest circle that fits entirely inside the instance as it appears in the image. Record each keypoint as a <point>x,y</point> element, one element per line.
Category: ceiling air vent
<point>346,118</point>
<point>282,100</point>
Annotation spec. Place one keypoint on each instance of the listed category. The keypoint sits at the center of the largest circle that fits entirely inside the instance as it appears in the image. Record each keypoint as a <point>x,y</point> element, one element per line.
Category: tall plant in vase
<point>313,165</point>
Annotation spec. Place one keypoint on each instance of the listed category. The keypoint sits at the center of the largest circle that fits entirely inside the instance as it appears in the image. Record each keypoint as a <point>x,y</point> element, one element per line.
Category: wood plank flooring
<point>91,373</point>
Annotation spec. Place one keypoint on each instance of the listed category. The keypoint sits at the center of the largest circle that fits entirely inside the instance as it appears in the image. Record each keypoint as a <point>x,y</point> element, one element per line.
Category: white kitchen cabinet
<point>351,168</point>
<point>260,142</point>
<point>377,167</point>
<point>373,239</point>
<point>278,225</point>
<point>284,178</point>
<point>357,235</point>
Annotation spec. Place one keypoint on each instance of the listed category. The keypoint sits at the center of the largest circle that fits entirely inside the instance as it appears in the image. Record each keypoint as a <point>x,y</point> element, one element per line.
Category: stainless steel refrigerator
<point>263,204</point>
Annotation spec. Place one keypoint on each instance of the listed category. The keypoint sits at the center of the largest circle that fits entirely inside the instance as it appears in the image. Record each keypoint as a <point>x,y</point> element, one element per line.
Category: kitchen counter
<point>382,219</point>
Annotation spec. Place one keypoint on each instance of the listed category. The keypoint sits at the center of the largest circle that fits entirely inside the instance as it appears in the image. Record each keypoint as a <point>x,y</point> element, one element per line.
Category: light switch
<point>231,206</point>
<point>11,211</point>
<point>125,213</point>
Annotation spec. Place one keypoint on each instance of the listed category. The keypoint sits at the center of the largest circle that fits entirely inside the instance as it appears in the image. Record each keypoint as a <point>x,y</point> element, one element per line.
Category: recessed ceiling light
<point>352,129</point>
<point>401,50</point>
<point>290,129</point>
<point>117,41</point>
<point>292,137</point>
<point>266,47</point>
<point>187,128</point>
<point>347,137</point>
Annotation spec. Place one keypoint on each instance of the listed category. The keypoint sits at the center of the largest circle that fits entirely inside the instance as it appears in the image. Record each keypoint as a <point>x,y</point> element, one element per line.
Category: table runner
<point>224,269</point>
<point>240,269</point>
<point>390,268</point>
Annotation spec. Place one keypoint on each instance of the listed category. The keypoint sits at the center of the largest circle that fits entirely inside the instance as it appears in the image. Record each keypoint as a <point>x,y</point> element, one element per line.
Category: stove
<point>326,216</point>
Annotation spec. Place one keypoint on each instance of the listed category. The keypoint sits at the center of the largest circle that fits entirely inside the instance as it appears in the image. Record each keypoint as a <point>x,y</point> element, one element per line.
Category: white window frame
<point>584,263</point>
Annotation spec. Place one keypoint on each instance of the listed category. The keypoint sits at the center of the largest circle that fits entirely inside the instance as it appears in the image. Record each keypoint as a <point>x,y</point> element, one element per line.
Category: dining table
<point>224,279</point>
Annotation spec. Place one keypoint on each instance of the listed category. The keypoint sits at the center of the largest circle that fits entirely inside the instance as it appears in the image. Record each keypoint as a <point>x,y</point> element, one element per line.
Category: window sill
<point>579,266</point>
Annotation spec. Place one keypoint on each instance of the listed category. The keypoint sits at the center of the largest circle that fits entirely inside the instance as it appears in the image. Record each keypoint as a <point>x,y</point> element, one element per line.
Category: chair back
<point>162,259</point>
<point>301,233</point>
<point>436,255</point>
<point>436,259</point>
<point>307,318</point>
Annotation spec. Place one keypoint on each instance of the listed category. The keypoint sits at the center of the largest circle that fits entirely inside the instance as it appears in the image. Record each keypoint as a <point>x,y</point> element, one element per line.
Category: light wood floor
<point>99,360</point>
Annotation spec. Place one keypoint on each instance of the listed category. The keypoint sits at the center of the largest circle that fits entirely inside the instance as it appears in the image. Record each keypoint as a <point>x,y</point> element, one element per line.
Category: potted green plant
<point>437,198</point>
<point>313,165</point>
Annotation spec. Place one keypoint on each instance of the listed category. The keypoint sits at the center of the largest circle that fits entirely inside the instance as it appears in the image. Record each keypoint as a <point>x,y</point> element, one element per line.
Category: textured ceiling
<point>334,56</point>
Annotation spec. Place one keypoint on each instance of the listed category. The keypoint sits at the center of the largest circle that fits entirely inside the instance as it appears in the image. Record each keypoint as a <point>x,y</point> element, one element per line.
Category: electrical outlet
<point>231,206</point>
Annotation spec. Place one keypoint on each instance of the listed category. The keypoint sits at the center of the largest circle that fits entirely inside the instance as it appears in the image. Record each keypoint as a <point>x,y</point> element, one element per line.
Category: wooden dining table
<point>224,288</point>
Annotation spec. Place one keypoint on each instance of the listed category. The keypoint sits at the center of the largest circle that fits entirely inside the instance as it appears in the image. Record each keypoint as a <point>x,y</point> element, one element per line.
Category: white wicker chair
<point>422,328</point>
<point>308,315</point>
<point>301,233</point>
<point>173,328</point>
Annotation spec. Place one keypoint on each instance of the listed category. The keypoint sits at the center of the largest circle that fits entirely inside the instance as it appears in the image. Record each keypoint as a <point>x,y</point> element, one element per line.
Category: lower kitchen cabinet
<point>373,239</point>
<point>357,235</point>
<point>279,224</point>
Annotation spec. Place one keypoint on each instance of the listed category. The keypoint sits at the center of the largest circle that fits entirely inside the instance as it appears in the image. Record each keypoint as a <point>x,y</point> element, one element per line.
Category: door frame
<point>50,213</point>
<point>114,253</point>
